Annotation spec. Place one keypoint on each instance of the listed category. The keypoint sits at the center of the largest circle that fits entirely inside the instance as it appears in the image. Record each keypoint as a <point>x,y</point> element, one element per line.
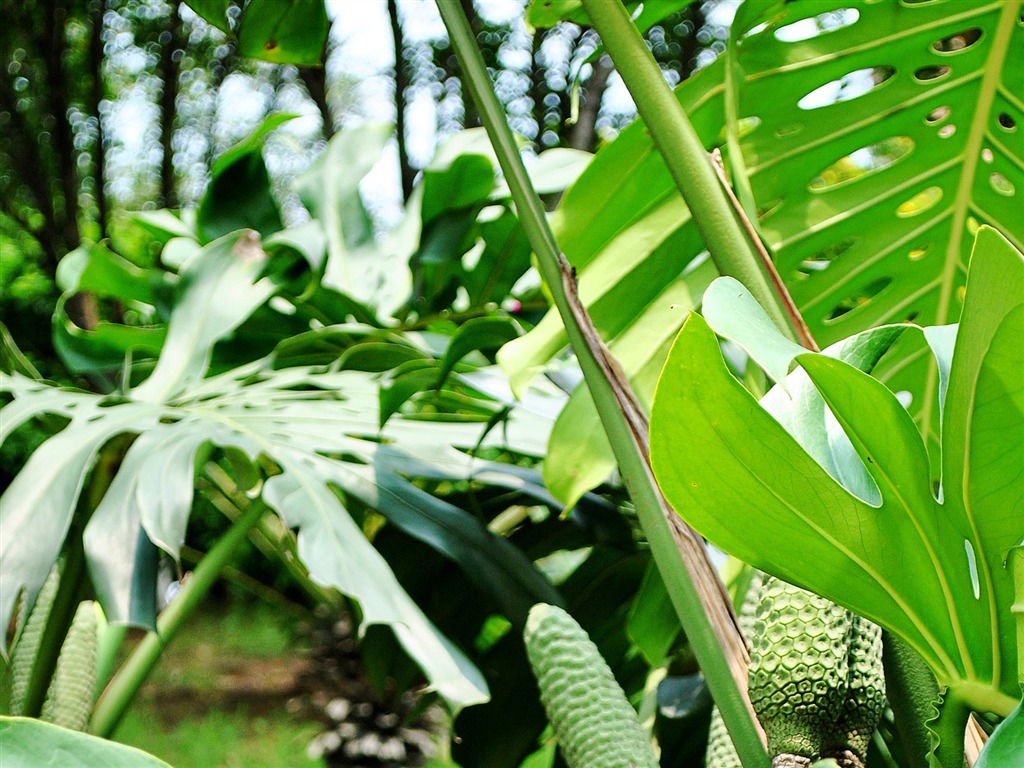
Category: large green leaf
<point>863,526</point>
<point>28,742</point>
<point>869,204</point>
<point>885,134</point>
<point>330,190</point>
<point>98,270</point>
<point>319,425</point>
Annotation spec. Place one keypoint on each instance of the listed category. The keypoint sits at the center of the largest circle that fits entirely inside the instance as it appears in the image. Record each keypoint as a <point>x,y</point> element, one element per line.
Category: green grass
<point>197,709</point>
<point>221,739</point>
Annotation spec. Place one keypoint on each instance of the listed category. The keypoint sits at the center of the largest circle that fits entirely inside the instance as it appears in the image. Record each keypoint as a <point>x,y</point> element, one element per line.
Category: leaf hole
<point>1006,122</point>
<point>757,29</point>
<point>747,125</point>
<point>850,86</point>
<point>973,225</point>
<point>789,130</point>
<point>860,299</point>
<point>918,253</point>
<point>919,203</point>
<point>946,131</point>
<point>932,72</point>
<point>766,210</point>
<point>823,259</point>
<point>937,115</point>
<point>986,155</point>
<point>972,566</point>
<point>862,162</point>
<point>959,42</point>
<point>822,24</point>
<point>911,317</point>
<point>1002,185</point>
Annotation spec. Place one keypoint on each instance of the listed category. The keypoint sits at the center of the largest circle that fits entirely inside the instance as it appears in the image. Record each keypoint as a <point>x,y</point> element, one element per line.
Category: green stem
<point>126,683</point>
<point>1016,566</point>
<point>688,162</point>
<point>697,595</point>
<point>221,491</point>
<point>913,695</point>
<point>110,641</point>
<point>949,728</point>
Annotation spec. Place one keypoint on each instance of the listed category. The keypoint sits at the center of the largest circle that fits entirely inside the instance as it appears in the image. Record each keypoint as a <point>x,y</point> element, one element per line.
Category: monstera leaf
<point>840,500</point>
<point>33,742</point>
<point>318,425</point>
<point>869,140</point>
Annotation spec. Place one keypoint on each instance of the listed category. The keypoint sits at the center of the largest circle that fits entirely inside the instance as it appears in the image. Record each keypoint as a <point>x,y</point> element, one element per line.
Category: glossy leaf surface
<point>868,193</point>
<point>840,500</point>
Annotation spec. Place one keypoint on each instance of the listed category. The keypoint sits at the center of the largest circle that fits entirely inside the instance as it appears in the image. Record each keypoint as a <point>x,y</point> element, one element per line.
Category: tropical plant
<point>850,512</point>
<point>866,226</point>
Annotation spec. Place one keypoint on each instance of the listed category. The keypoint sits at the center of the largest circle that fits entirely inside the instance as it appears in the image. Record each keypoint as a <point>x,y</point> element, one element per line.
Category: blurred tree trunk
<point>168,70</point>
<point>472,114</point>
<point>584,132</point>
<point>97,13</point>
<point>408,173</point>
<point>315,80</point>
<point>58,98</point>
<point>538,87</point>
<point>29,168</point>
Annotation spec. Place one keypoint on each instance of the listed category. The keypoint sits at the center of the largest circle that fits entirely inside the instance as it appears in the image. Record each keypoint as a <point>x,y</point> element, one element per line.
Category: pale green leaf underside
<point>30,742</point>
<point>298,417</point>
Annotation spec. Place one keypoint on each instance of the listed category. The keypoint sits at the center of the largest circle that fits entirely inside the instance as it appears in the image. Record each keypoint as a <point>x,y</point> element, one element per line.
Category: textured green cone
<point>593,722</point>
<point>720,752</point>
<point>865,698</point>
<point>26,647</point>
<point>799,670</point>
<point>70,697</point>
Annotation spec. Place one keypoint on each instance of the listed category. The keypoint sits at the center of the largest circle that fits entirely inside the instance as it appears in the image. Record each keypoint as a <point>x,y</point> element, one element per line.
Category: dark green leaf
<point>239,195</point>
<point>285,33</point>
<point>214,12</point>
<point>652,623</point>
<point>485,334</point>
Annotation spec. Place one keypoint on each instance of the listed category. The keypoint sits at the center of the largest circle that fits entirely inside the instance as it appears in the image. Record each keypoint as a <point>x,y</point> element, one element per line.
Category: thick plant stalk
<point>717,216</point>
<point>593,721</point>
<point>697,594</point>
<point>69,699</point>
<point>126,683</point>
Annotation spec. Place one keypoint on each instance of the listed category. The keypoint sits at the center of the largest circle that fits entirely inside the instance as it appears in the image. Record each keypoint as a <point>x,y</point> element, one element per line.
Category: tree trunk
<point>538,88</point>
<point>584,135</point>
<point>58,98</point>
<point>471,114</point>
<point>408,173</point>
<point>169,70</point>
<point>98,10</point>
<point>31,169</point>
<point>315,80</point>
